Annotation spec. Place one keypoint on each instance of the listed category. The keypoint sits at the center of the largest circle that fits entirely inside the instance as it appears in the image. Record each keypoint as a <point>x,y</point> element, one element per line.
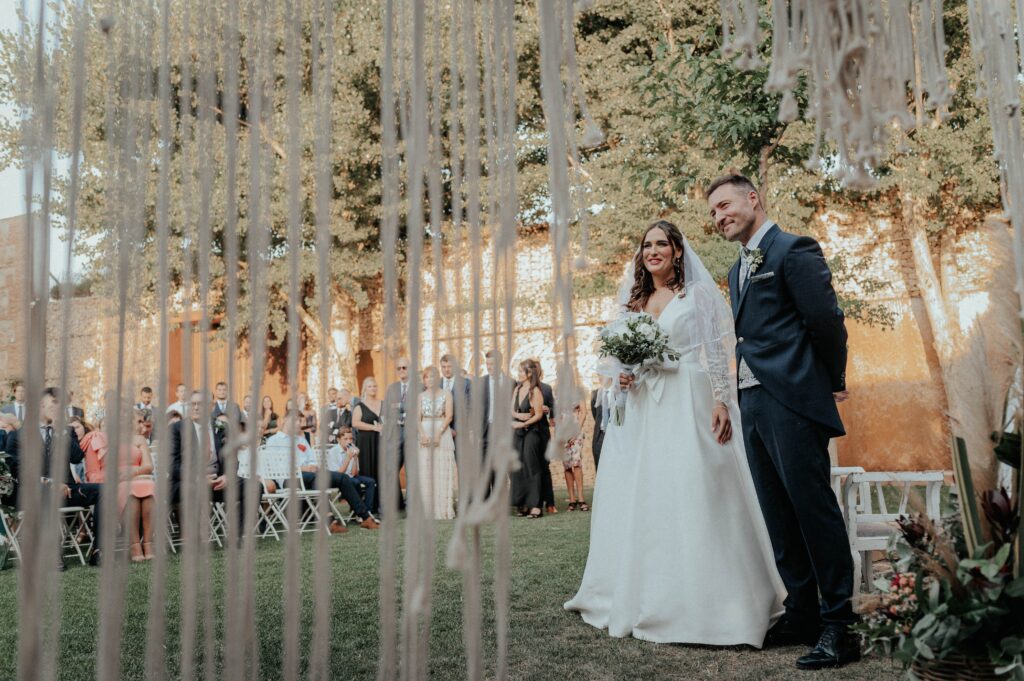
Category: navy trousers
<point>788,456</point>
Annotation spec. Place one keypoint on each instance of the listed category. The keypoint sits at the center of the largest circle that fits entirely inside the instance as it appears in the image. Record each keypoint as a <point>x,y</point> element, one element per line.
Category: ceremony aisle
<point>545,641</point>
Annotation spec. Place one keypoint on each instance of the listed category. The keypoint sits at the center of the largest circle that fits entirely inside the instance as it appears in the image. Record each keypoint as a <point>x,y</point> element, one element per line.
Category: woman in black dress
<point>368,426</point>
<point>527,411</point>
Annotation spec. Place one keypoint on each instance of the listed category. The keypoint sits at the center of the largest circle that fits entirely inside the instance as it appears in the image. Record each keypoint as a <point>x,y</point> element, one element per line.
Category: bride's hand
<point>721,426</point>
<point>626,381</point>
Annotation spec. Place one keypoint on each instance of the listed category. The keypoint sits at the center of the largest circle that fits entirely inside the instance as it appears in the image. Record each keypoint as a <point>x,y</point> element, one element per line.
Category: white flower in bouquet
<point>635,340</point>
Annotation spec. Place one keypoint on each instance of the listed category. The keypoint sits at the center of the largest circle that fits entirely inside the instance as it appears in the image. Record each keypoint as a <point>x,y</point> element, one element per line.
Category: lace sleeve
<point>716,338</point>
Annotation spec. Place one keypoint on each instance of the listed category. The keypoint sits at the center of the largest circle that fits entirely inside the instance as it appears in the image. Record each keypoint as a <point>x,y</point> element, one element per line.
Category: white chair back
<point>275,463</point>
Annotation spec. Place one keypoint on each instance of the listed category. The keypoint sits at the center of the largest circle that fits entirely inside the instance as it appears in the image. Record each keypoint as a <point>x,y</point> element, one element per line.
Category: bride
<point>679,551</point>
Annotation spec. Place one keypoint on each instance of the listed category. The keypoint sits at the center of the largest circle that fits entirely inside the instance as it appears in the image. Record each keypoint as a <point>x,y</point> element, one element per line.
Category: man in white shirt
<point>16,406</point>
<point>309,465</point>
<point>179,405</point>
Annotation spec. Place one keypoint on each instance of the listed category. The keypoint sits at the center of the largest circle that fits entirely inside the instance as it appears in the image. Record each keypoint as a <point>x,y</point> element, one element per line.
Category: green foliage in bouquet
<point>635,340</point>
<point>946,601</point>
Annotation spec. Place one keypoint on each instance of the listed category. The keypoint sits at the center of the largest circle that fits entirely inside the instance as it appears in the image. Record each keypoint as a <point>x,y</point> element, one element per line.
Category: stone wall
<point>13,258</point>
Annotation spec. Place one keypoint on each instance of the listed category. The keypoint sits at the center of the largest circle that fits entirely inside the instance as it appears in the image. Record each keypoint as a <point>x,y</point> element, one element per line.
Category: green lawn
<point>546,643</point>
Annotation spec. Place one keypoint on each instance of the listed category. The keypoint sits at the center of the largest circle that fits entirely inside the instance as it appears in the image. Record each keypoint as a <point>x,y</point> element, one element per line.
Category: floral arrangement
<point>944,602</point>
<point>634,340</point>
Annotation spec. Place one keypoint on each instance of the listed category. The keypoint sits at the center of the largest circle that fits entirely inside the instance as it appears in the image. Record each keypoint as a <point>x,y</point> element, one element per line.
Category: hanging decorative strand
<point>860,57</point>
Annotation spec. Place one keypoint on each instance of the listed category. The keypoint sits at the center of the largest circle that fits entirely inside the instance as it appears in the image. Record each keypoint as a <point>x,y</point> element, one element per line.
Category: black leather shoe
<point>95,558</point>
<point>835,648</point>
<point>789,632</point>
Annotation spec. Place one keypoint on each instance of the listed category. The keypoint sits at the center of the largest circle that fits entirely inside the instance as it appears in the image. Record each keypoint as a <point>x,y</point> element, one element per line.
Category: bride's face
<point>658,253</point>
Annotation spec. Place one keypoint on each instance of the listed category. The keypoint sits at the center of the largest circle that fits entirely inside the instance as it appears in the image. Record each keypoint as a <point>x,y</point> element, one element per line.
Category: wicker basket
<point>954,668</point>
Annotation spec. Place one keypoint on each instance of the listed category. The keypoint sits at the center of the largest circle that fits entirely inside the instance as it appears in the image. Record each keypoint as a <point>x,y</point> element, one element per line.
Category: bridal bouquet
<point>633,341</point>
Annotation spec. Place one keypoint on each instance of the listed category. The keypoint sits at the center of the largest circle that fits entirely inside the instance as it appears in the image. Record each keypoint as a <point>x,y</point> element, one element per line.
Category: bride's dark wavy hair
<point>643,282</point>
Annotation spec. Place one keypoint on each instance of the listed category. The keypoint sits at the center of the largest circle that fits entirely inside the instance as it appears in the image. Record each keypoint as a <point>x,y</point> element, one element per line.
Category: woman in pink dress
<point>138,492</point>
<point>135,492</point>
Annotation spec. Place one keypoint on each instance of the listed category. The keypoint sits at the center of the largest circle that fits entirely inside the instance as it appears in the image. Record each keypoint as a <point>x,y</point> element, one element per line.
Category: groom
<point>791,354</point>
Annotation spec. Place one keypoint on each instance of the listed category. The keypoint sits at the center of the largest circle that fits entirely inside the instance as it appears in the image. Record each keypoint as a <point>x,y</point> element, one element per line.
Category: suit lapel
<point>766,242</point>
<point>734,288</point>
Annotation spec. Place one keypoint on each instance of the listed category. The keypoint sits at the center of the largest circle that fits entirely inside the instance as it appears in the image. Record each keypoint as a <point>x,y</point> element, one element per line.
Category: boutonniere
<point>754,258</point>
<point>218,426</point>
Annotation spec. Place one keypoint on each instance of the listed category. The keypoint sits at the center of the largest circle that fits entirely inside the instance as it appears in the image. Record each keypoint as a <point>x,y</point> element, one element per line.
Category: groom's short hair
<point>741,181</point>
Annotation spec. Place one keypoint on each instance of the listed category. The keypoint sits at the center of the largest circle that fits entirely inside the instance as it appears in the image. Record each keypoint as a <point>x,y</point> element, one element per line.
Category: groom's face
<point>734,211</point>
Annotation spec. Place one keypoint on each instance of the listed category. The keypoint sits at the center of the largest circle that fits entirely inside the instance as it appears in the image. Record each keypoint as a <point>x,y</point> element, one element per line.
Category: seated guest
<point>345,459</point>
<point>194,435</point>
<point>306,460</point>
<point>73,492</point>
<point>8,424</point>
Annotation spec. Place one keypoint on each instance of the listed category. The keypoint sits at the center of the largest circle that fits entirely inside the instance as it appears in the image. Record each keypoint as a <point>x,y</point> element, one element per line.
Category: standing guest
<point>348,463</point>
<point>135,489</point>
<point>527,415</point>
<point>339,415</point>
<point>17,405</point>
<point>145,403</point>
<point>495,382</point>
<point>601,401</point>
<point>548,487</point>
<point>395,399</point>
<point>331,415</point>
<point>72,410</point>
<point>437,474</point>
<point>222,406</point>
<point>246,408</point>
<point>572,460</point>
<point>366,422</point>
<point>306,460</point>
<point>307,417</point>
<point>456,385</point>
<point>179,404</point>
<point>73,492</point>
<point>268,417</point>
<point>140,490</point>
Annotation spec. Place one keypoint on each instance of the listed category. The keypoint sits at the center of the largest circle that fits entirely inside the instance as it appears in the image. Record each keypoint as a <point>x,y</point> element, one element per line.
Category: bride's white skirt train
<point>679,551</point>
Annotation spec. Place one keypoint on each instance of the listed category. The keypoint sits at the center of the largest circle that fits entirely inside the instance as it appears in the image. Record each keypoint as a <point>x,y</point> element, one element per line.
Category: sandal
<point>582,506</point>
<point>147,550</point>
<point>533,516</point>
<point>136,553</point>
<point>572,506</point>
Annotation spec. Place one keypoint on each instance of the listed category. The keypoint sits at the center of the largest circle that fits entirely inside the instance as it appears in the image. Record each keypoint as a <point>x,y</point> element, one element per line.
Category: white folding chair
<point>870,523</point>
<point>74,522</point>
<point>12,526</point>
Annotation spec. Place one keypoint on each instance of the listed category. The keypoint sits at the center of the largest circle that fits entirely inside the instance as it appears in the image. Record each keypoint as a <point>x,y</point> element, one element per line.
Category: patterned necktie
<point>48,438</point>
<point>744,266</point>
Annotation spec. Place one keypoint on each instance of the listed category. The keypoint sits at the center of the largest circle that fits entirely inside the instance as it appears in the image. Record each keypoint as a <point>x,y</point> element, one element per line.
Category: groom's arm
<point>810,284</point>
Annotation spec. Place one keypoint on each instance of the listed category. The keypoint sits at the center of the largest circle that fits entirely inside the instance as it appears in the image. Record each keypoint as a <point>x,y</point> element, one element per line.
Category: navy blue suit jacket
<point>789,327</point>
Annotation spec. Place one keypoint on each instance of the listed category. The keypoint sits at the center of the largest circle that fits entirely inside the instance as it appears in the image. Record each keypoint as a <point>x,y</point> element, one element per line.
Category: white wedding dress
<point>679,551</point>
